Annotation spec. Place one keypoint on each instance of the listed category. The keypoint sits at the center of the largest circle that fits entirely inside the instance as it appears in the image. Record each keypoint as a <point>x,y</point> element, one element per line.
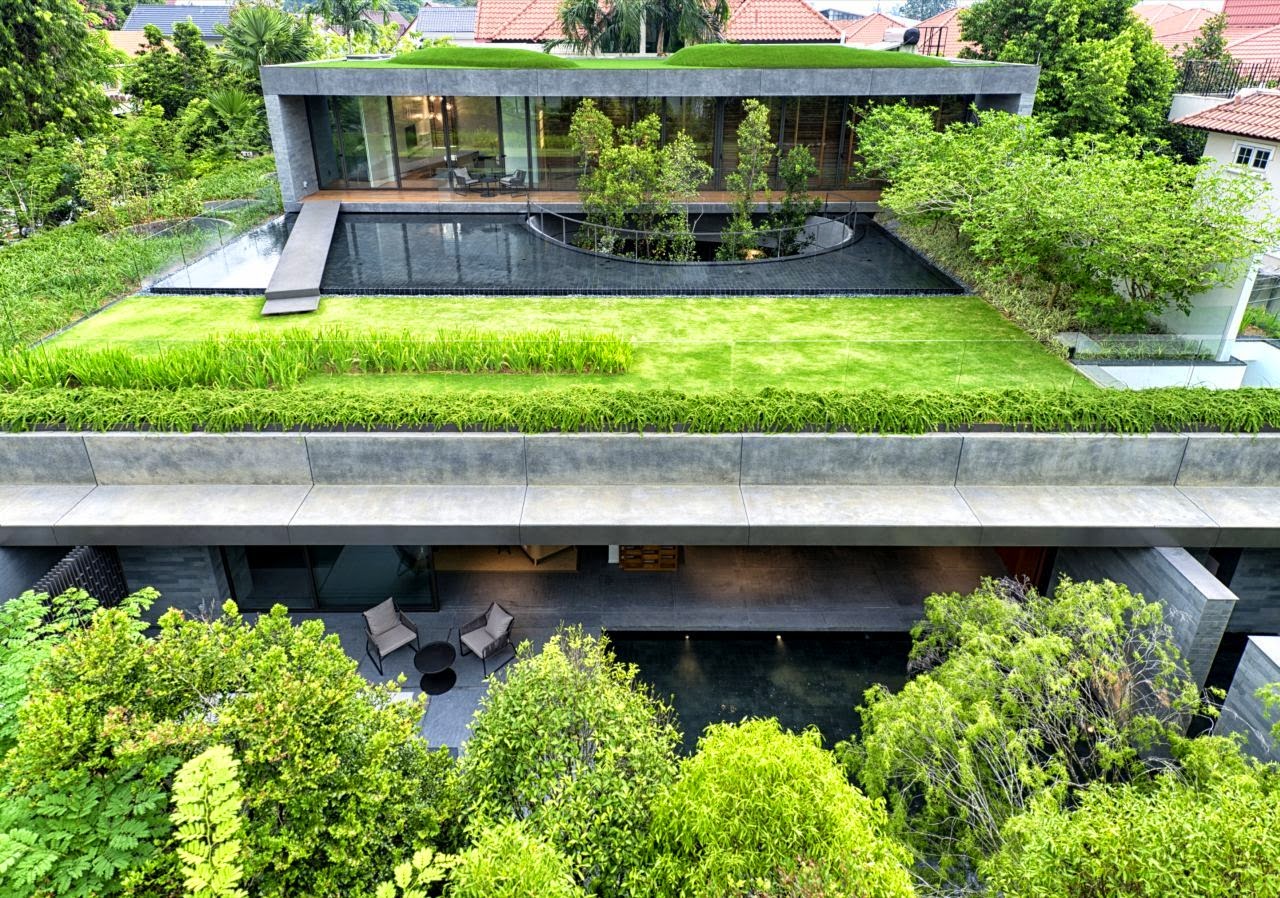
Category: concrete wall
<point>21,566</point>
<point>1263,360</point>
<point>1197,606</point>
<point>191,578</point>
<point>291,142</point>
<point>1256,582</point>
<point>1215,315</point>
<point>1243,712</point>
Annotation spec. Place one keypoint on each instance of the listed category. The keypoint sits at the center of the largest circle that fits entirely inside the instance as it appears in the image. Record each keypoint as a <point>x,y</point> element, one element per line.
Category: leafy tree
<point>52,68</point>
<point>350,18</point>
<point>1210,828</point>
<point>36,179</point>
<point>1101,69</point>
<point>337,783</point>
<point>258,34</point>
<point>207,801</point>
<point>1023,698</point>
<point>571,743</point>
<point>415,877</point>
<point>168,78</point>
<point>794,170</point>
<point>593,26</point>
<point>757,806</point>
<point>1210,44</point>
<point>508,861</point>
<point>924,9</point>
<point>755,152</point>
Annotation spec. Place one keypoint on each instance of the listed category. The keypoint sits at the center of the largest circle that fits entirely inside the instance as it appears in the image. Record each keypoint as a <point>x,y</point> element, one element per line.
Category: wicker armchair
<point>386,629</point>
<point>487,635</point>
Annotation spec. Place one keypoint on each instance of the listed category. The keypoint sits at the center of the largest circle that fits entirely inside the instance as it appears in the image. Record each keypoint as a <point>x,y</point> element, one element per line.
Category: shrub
<point>1210,829</point>
<point>758,807</point>
<point>507,861</point>
<point>1023,697</point>
<point>570,743</point>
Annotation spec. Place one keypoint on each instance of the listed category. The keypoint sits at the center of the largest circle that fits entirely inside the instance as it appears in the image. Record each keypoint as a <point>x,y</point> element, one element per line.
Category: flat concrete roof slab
<point>44,458</point>
<point>424,459</point>
<point>859,516</point>
<point>1088,516</point>
<point>633,514</point>
<point>135,459</point>
<point>29,511</point>
<point>390,515</point>
<point>1247,515</point>
<point>182,515</point>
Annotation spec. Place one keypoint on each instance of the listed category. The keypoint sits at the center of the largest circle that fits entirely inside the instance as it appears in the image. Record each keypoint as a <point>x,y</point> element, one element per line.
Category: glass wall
<point>338,577</point>
<point>373,142</point>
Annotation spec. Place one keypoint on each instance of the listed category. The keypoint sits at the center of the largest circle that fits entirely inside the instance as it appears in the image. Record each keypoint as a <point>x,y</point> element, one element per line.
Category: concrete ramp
<point>295,285</point>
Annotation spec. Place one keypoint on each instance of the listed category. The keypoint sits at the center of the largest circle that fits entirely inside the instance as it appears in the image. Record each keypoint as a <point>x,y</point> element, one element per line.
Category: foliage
<point>1259,319</point>
<point>52,68</point>
<point>794,170</point>
<point>36,179</point>
<point>258,34</point>
<point>591,26</point>
<point>1102,71</point>
<point>284,359</point>
<point>415,877</point>
<point>350,18</point>
<point>631,180</point>
<point>572,744</point>
<point>757,805</point>
<point>924,9</point>
<point>1157,232</point>
<point>596,409</point>
<point>483,58</point>
<point>1211,829</point>
<point>1022,697</point>
<point>207,803</point>
<point>508,861</point>
<point>337,784</point>
<point>169,78</point>
<point>1210,43</point>
<point>798,56</point>
<point>755,152</point>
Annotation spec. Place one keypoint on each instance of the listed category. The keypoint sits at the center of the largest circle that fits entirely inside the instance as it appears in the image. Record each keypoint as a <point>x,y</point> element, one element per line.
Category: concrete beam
<point>301,265</point>
<point>414,515</point>
<point>609,515</point>
<point>1242,712</point>
<point>859,516</point>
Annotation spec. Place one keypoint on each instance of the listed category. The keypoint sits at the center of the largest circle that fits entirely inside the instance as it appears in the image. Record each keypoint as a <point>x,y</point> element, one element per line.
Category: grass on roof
<point>696,345</point>
<point>797,56</point>
<point>702,56</point>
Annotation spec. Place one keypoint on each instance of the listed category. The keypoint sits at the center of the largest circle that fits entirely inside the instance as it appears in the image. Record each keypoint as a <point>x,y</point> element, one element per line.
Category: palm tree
<point>350,17</point>
<point>618,26</point>
<point>689,22</point>
<point>259,35</point>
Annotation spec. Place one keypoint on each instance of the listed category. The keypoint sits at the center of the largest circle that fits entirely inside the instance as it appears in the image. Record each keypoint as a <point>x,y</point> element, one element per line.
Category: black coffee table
<point>434,660</point>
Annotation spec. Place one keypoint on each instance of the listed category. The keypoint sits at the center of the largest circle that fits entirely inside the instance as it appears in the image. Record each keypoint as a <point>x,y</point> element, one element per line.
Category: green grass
<point>694,345</point>
<point>720,56</point>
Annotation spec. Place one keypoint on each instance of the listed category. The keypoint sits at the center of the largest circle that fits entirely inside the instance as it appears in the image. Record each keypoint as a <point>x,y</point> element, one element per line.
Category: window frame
<point>1240,147</point>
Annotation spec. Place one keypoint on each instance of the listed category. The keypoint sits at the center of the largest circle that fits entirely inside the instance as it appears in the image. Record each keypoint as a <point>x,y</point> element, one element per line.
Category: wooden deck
<point>542,197</point>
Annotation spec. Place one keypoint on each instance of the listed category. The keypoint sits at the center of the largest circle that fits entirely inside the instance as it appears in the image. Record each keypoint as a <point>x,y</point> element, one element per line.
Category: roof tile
<point>204,16</point>
<point>1252,13</point>
<point>1248,114</point>
<point>1257,46</point>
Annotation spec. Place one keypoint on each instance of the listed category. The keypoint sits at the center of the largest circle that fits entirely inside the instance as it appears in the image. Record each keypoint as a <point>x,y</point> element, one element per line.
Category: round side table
<point>435,662</point>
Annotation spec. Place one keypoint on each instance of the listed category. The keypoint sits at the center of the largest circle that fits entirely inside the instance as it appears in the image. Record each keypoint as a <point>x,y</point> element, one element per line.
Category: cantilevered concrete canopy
<point>975,489</point>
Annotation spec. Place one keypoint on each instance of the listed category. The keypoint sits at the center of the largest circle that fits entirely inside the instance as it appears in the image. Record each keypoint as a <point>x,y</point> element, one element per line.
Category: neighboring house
<point>455,22</point>
<point>534,22</point>
<point>878,31</point>
<point>130,43</point>
<point>388,17</point>
<point>1174,25</point>
<point>203,16</point>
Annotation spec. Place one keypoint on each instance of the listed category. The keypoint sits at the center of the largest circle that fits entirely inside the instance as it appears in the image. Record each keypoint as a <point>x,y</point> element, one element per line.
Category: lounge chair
<point>487,635</point>
<point>462,179</point>
<point>514,183</point>
<point>387,629</point>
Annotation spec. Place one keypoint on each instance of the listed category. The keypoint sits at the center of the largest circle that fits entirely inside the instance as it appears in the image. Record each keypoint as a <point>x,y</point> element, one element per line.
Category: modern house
<point>388,125</point>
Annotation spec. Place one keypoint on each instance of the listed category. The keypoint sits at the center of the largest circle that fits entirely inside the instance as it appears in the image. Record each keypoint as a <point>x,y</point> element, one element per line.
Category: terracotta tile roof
<point>950,20</point>
<point>1256,46</point>
<point>491,15</point>
<point>867,30</point>
<point>1181,28</point>
<point>131,42</point>
<point>537,21</point>
<point>779,21</point>
<point>1248,114</point>
<point>1252,13</point>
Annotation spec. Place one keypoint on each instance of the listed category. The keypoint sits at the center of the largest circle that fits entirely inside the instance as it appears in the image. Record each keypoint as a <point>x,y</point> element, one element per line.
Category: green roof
<point>719,56</point>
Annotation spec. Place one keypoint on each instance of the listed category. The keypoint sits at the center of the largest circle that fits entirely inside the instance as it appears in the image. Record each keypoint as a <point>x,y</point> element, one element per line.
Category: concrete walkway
<point>295,285</point>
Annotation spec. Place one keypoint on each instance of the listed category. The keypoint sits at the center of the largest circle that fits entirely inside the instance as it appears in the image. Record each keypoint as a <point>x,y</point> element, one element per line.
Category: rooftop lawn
<point>695,345</point>
<point>719,56</point>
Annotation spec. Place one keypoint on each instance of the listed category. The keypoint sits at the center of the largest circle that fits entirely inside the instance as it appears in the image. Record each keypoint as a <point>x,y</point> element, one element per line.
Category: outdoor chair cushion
<point>381,618</point>
<point>477,641</point>
<point>390,640</point>
<point>498,622</point>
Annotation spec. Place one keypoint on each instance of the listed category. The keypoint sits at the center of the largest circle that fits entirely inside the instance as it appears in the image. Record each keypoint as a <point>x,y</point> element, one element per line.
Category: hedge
<point>588,408</point>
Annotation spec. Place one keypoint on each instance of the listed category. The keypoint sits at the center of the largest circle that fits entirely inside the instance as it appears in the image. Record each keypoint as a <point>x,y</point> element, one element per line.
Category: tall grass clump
<point>273,360</point>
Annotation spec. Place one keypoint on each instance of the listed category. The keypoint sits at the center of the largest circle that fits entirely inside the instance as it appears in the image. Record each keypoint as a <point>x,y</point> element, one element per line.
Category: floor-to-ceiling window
<point>351,137</point>
<point>474,132</point>
<point>339,577</point>
<point>418,123</point>
<point>695,116</point>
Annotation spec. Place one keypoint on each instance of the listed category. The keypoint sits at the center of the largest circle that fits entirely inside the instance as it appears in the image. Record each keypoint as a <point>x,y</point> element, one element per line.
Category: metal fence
<point>1225,78</point>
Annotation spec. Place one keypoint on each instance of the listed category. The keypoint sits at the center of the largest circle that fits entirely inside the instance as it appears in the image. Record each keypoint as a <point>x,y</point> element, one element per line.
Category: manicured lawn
<point>719,56</point>
<point>906,343</point>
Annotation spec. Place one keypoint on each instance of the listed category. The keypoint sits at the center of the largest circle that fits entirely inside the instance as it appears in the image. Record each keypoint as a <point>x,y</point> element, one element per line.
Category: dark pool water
<point>803,679</point>
<point>496,255</point>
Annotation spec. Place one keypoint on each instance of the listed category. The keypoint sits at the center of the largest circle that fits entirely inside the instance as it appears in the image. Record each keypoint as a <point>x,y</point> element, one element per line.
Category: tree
<point>337,784</point>
<point>1210,43</point>
<point>573,745</point>
<point>757,806</point>
<point>593,26</point>
<point>258,35</point>
<point>508,861</point>
<point>924,9</point>
<point>52,68</point>
<point>36,178</point>
<point>170,79</point>
<point>1022,698</point>
<point>740,239</point>
<point>1101,70</point>
<point>350,17</point>
<point>794,170</point>
<point>1209,828</point>
<point>207,802</point>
